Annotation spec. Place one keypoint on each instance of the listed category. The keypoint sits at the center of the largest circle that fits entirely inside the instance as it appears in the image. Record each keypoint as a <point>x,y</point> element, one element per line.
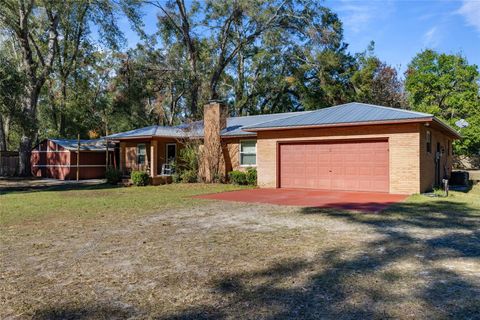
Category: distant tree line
<point>64,69</point>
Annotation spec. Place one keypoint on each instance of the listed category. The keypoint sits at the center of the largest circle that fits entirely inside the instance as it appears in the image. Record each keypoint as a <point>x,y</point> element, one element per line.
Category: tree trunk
<point>63,105</point>
<point>29,130</point>
<point>194,97</point>
<point>3,136</point>
<point>24,153</point>
<point>240,85</point>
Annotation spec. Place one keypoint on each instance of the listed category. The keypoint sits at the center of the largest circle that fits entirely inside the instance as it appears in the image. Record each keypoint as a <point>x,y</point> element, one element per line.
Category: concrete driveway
<point>360,201</point>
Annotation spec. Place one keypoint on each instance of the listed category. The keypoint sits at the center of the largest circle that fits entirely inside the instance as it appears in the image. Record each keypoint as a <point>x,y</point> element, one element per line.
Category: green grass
<point>88,202</point>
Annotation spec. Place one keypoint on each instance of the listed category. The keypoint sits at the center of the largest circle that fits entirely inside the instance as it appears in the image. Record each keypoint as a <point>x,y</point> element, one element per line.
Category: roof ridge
<point>391,108</point>
<point>375,106</point>
<point>264,122</point>
<point>271,114</point>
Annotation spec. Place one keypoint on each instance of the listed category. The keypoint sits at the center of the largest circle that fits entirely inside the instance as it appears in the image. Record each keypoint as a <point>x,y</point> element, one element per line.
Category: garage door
<point>351,165</point>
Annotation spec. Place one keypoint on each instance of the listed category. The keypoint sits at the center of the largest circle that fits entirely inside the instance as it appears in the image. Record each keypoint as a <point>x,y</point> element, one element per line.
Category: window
<point>248,153</point>
<point>429,142</point>
<point>141,153</point>
<point>171,152</point>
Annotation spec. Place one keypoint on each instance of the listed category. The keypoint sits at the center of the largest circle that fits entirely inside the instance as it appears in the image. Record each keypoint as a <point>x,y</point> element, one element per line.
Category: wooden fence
<point>9,161</point>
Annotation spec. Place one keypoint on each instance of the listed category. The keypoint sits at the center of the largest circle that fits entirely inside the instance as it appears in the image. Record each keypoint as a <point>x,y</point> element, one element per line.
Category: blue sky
<point>399,28</point>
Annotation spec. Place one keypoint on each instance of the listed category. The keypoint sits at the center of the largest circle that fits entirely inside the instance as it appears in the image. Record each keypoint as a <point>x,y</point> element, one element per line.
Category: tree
<point>324,76</point>
<point>49,31</point>
<point>11,90</point>
<point>34,28</point>
<point>257,55</point>
<point>376,82</point>
<point>177,26</point>
<point>447,86</point>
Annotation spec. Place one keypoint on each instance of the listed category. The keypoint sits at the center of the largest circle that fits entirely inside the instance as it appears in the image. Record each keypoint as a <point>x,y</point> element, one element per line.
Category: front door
<point>171,153</point>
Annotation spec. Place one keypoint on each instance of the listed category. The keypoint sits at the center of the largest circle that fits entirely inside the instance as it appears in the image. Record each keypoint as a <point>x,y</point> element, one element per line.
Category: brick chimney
<point>214,121</point>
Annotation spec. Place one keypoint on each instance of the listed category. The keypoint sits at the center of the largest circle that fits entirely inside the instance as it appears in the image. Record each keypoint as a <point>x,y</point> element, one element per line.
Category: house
<point>353,146</point>
<point>57,159</point>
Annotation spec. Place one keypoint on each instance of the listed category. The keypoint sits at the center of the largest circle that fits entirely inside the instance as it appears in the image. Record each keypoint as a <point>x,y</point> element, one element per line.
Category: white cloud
<point>357,15</point>
<point>431,37</point>
<point>470,10</point>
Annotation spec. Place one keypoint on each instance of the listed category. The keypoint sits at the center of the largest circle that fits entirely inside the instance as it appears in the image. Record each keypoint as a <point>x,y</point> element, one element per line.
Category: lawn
<point>155,252</point>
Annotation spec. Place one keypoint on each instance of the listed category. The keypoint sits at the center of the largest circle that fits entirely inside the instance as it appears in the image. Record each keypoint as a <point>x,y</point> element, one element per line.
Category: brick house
<point>354,146</point>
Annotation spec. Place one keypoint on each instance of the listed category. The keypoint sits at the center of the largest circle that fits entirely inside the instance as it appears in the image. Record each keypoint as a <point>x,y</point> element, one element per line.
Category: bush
<point>251,176</point>
<point>140,178</point>
<point>189,176</point>
<point>237,177</point>
<point>186,170</point>
<point>176,178</point>
<point>113,175</point>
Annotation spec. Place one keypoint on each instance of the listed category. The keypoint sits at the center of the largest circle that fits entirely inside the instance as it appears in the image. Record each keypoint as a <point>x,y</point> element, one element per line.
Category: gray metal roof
<point>237,126</point>
<point>152,131</point>
<point>195,129</point>
<point>85,145</point>
<point>345,113</point>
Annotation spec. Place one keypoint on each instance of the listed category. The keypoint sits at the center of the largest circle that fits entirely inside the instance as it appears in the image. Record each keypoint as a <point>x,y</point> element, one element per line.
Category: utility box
<point>459,178</point>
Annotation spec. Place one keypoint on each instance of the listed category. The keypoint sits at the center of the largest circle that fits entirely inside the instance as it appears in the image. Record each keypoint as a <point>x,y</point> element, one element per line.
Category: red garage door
<point>350,165</point>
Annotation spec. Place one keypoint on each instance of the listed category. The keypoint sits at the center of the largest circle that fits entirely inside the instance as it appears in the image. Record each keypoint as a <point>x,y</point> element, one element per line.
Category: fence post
<point>78,157</point>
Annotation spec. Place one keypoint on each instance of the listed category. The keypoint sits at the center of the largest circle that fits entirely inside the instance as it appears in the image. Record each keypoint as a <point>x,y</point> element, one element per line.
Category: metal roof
<point>248,125</point>
<point>85,145</point>
<point>152,131</point>
<point>345,113</point>
<point>235,125</point>
<point>195,129</point>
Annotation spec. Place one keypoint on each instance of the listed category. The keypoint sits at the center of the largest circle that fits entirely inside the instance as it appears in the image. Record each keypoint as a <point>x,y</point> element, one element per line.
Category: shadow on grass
<point>439,214</point>
<point>60,187</point>
<point>85,312</point>
<point>365,285</point>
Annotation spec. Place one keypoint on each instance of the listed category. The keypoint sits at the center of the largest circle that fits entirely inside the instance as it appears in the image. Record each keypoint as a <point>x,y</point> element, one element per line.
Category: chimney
<point>215,116</point>
<point>214,121</point>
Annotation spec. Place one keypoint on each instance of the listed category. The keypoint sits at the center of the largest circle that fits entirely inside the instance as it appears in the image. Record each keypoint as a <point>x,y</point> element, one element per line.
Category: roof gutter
<point>142,137</point>
<point>344,124</point>
<point>447,128</point>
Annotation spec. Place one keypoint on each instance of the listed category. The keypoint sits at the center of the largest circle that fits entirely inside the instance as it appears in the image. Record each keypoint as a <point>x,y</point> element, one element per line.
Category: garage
<point>358,165</point>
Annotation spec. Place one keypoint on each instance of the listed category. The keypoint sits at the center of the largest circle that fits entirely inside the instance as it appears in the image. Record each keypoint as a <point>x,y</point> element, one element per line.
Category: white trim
<point>240,154</point>
<point>166,151</point>
<point>51,151</point>
<point>68,165</point>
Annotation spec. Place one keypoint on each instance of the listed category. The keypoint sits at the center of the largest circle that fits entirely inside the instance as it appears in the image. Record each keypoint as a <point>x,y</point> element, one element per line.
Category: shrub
<point>140,178</point>
<point>237,177</point>
<point>189,157</point>
<point>113,175</point>
<point>176,178</point>
<point>251,176</point>
<point>186,170</point>
<point>189,176</point>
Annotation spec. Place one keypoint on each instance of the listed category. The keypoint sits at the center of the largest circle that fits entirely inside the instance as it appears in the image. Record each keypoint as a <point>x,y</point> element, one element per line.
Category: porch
<point>154,155</point>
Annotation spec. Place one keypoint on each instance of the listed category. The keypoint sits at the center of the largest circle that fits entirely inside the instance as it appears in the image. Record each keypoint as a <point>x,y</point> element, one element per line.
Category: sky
<point>399,28</point>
